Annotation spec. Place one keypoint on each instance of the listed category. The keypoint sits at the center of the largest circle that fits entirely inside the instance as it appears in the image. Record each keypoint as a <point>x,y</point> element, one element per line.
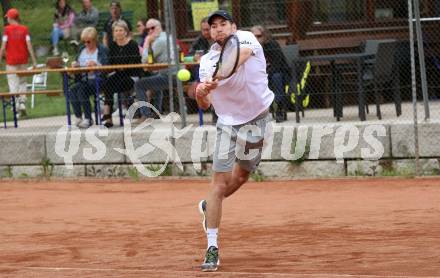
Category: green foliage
<point>167,172</point>
<point>258,176</point>
<point>304,156</point>
<point>133,173</point>
<point>47,168</point>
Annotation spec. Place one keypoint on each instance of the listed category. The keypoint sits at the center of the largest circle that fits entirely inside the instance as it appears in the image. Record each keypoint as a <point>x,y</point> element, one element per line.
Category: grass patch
<point>258,176</point>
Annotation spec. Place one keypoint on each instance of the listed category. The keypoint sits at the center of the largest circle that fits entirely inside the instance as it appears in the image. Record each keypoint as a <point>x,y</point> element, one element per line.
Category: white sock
<point>212,237</point>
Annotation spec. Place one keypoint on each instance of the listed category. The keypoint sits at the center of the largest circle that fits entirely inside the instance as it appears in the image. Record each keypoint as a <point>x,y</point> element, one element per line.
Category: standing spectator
<point>87,17</point>
<point>141,30</point>
<point>155,46</point>
<point>124,50</point>
<point>63,22</point>
<point>115,14</point>
<point>277,69</point>
<point>16,42</point>
<point>90,54</point>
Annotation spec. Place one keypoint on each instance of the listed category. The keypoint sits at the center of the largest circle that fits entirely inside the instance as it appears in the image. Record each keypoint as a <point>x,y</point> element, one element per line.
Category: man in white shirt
<point>242,104</point>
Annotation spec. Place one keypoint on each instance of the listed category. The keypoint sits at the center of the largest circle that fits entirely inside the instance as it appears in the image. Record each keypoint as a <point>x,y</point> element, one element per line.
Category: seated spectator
<point>90,54</point>
<point>87,17</point>
<point>115,15</point>
<point>155,46</point>
<point>277,69</point>
<point>198,48</point>
<point>203,42</point>
<point>63,22</point>
<point>141,31</point>
<point>124,50</point>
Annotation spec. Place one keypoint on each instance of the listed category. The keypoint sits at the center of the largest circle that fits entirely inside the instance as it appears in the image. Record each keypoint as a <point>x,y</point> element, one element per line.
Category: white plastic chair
<point>39,82</point>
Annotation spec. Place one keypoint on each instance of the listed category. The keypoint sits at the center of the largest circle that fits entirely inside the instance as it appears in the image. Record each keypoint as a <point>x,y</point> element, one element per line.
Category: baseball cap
<point>12,13</point>
<point>220,13</point>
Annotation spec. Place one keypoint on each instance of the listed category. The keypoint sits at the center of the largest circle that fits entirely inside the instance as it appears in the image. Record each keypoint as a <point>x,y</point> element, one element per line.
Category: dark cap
<point>219,13</point>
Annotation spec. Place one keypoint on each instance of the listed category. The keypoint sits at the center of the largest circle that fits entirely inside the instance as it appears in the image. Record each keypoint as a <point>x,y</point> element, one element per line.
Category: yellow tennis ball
<point>183,75</point>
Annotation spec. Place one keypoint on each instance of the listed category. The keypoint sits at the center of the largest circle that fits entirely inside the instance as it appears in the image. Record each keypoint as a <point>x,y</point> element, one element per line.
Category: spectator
<point>115,14</point>
<point>87,17</point>
<point>16,42</point>
<point>141,30</point>
<point>90,54</point>
<point>124,50</point>
<point>203,41</point>
<point>63,21</point>
<point>155,46</point>
<point>276,67</point>
<point>198,48</point>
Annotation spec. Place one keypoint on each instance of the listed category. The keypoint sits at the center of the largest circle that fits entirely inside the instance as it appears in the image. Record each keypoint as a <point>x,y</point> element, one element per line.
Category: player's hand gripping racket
<point>228,60</point>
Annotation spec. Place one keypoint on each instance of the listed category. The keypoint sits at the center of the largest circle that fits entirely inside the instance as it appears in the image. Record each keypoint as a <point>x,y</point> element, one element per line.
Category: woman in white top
<point>90,54</point>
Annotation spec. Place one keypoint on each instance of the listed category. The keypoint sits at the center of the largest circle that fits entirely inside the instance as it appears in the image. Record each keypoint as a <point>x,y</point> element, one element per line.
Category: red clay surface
<point>319,228</point>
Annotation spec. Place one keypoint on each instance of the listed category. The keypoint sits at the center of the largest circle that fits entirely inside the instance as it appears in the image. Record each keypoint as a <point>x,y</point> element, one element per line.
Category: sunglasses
<point>150,28</point>
<point>87,42</point>
<point>258,36</point>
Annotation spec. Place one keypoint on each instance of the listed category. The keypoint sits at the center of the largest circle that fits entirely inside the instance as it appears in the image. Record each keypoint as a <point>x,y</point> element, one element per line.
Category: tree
<point>6,5</point>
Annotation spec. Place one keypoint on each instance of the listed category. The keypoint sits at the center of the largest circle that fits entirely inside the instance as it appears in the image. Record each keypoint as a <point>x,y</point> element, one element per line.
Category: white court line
<point>219,272</point>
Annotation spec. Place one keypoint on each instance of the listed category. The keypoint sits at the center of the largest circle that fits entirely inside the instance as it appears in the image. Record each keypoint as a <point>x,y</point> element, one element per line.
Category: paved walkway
<point>312,116</point>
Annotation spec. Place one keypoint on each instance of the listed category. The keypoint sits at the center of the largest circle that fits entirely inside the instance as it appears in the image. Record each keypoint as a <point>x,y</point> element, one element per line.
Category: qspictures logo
<point>161,136</point>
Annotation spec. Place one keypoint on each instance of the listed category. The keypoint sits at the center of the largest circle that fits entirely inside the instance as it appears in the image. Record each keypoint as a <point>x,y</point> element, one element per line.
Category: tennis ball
<point>183,75</point>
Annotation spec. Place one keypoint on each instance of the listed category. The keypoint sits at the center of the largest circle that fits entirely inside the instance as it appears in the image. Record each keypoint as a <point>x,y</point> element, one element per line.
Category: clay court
<point>310,228</point>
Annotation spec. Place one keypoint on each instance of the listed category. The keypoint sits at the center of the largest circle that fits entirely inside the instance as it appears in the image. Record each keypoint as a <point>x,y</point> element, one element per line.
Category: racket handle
<point>200,117</point>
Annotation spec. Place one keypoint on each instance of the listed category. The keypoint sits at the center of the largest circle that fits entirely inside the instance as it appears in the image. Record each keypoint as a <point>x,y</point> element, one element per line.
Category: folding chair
<point>39,82</point>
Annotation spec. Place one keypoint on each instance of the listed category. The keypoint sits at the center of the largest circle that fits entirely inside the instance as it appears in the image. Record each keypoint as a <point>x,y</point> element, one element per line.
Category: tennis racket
<point>228,60</point>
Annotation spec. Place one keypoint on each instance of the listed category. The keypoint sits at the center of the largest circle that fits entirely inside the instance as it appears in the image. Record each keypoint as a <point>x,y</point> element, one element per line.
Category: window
<point>262,12</point>
<point>334,11</point>
<point>389,9</point>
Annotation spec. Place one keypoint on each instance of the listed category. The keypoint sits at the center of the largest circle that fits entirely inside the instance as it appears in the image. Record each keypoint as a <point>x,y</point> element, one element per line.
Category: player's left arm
<point>30,48</point>
<point>31,52</point>
<point>249,45</point>
<point>245,54</point>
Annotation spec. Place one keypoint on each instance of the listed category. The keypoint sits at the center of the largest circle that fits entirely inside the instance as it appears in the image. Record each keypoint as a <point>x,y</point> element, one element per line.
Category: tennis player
<point>242,104</point>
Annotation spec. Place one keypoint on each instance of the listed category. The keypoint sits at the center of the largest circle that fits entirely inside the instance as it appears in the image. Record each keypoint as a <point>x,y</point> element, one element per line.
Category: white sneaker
<point>86,123</point>
<point>116,113</point>
<point>78,121</point>
<point>74,42</point>
<point>55,51</point>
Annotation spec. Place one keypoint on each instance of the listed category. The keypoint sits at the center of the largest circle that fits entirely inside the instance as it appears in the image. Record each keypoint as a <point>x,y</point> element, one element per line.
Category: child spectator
<point>17,44</point>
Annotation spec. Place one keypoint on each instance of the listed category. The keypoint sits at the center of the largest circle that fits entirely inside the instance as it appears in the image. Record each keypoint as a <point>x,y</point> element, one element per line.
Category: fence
<point>329,63</point>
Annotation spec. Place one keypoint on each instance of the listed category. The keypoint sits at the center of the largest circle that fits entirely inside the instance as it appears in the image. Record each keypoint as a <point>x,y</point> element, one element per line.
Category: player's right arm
<point>203,93</point>
<point>204,88</point>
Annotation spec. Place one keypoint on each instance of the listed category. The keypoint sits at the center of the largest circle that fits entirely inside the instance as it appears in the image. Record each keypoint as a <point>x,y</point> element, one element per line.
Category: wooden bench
<point>5,102</point>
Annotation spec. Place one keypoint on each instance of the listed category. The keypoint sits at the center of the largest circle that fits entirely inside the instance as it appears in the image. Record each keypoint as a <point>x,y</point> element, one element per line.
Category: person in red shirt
<point>16,42</point>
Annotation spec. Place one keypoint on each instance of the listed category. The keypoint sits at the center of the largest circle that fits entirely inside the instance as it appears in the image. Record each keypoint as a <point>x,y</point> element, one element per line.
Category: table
<point>358,58</point>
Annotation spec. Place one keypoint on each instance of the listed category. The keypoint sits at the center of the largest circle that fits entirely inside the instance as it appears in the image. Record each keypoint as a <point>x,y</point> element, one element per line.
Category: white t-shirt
<point>85,57</point>
<point>245,95</point>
